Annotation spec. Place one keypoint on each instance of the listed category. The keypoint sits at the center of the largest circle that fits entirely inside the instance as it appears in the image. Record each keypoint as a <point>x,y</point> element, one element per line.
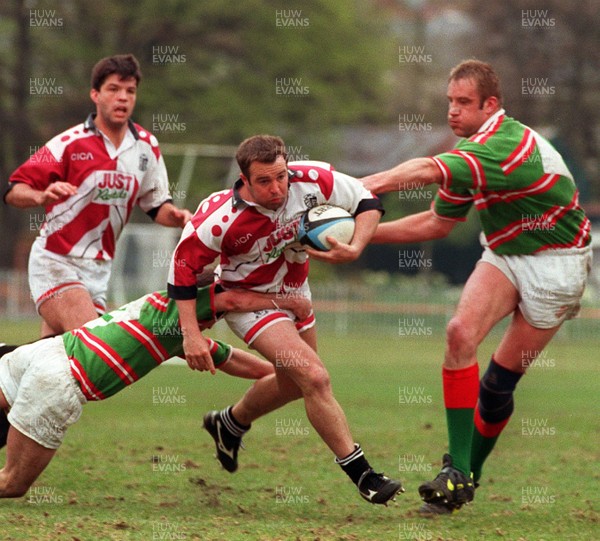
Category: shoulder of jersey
<point>60,142</point>
<point>309,170</point>
<point>213,203</point>
<point>149,138</point>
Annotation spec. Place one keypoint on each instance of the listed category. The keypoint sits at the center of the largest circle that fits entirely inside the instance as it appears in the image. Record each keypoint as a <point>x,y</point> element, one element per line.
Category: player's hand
<point>181,216</point>
<point>373,183</point>
<point>301,307</point>
<point>57,191</point>
<point>197,353</point>
<point>339,253</point>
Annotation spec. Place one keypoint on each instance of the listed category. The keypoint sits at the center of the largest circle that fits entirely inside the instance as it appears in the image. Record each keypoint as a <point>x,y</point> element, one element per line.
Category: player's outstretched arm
<point>405,176</point>
<point>243,364</point>
<point>240,300</point>
<point>413,228</point>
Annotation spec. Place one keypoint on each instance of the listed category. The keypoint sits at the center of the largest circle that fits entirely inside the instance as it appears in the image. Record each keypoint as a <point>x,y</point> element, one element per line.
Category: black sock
<point>232,424</point>
<point>355,464</point>
<point>496,393</point>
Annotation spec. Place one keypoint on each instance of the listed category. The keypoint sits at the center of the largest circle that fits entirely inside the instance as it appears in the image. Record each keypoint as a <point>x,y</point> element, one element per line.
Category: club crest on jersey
<point>143,165</point>
<point>310,200</point>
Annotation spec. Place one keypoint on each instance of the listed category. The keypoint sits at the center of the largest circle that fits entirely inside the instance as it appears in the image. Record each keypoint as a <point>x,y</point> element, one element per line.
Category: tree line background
<point>352,82</point>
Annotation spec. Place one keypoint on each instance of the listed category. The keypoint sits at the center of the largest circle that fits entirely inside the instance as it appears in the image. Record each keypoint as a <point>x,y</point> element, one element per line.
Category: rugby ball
<point>324,221</point>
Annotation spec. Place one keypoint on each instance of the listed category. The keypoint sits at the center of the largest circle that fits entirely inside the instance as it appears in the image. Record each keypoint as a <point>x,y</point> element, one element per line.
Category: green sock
<point>485,436</point>
<point>461,388</point>
<point>480,450</point>
<point>460,435</point>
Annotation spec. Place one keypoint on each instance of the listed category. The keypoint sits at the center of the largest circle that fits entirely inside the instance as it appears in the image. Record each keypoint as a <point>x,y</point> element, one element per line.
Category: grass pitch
<point>139,467</point>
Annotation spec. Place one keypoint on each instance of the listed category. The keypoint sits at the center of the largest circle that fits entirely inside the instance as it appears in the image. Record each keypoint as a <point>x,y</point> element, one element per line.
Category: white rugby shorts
<point>550,283</point>
<point>249,325</point>
<point>44,397</point>
<point>50,274</point>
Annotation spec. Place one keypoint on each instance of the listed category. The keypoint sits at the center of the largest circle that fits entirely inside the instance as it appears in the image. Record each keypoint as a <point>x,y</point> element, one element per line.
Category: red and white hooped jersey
<point>257,247</point>
<point>110,182</point>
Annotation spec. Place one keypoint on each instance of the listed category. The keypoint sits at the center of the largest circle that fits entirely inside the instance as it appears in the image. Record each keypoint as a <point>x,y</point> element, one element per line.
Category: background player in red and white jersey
<point>88,179</point>
<point>252,229</point>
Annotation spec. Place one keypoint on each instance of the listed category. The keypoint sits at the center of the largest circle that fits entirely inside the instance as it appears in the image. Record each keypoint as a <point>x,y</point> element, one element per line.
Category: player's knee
<point>321,377</point>
<point>315,380</point>
<point>460,339</point>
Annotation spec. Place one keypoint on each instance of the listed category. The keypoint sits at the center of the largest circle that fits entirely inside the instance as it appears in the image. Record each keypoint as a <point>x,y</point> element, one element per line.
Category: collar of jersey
<point>238,201</point>
<point>89,124</point>
<point>486,125</point>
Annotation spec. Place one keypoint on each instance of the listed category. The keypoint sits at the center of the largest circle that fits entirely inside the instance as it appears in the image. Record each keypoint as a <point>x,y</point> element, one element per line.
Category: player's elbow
<point>20,195</point>
<point>440,228</point>
<point>261,371</point>
<point>11,198</point>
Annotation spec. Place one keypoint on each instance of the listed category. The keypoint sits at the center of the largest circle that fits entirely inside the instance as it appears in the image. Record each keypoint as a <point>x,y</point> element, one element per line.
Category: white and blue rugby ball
<point>324,221</point>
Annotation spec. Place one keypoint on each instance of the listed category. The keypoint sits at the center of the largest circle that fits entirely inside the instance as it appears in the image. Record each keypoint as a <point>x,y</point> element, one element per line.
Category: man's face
<point>115,101</point>
<point>267,183</point>
<point>465,112</point>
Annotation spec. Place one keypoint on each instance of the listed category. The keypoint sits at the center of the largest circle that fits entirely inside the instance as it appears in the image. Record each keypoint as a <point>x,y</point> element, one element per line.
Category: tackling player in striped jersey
<point>44,385</point>
<point>535,262</point>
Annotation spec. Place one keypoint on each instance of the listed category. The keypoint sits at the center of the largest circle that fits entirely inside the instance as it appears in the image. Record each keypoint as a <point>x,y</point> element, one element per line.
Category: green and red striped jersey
<point>117,349</point>
<point>524,193</point>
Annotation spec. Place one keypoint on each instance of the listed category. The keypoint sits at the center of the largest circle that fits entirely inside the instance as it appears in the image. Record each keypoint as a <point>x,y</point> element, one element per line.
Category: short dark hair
<point>124,65</point>
<point>259,148</point>
<point>486,79</point>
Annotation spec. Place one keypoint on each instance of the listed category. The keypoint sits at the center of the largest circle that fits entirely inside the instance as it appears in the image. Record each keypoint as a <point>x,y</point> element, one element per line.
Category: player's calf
<point>25,461</point>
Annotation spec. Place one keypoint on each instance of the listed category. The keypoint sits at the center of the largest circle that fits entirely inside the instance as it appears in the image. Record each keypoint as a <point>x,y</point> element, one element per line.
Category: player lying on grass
<point>45,384</point>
